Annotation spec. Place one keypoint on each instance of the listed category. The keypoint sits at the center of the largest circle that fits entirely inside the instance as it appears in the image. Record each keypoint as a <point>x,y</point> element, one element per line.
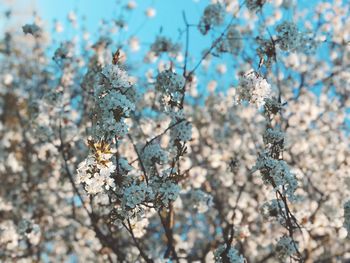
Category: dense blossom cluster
<point>152,154</point>
<point>255,5</point>
<point>201,200</point>
<point>108,155</point>
<point>347,217</point>
<point>182,129</point>
<point>32,29</point>
<point>253,88</point>
<point>95,171</point>
<point>171,85</point>
<point>232,255</point>
<point>285,247</point>
<point>232,43</point>
<point>115,99</point>
<point>164,45</point>
<point>213,15</point>
<point>273,137</point>
<point>30,231</point>
<point>135,195</point>
<point>272,210</point>
<point>9,236</point>
<point>63,53</point>
<point>289,38</point>
<point>101,173</point>
<point>277,173</point>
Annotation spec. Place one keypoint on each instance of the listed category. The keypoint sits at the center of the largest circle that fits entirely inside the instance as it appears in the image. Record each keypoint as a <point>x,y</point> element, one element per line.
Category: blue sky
<point>169,18</point>
<point>169,14</point>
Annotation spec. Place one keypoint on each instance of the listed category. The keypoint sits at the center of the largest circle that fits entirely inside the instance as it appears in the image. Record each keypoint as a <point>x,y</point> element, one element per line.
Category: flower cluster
<point>135,194</point>
<point>181,128</point>
<point>266,50</point>
<point>255,5</point>
<point>232,255</point>
<point>213,15</point>
<point>274,141</point>
<point>164,45</point>
<point>272,106</point>
<point>115,77</point>
<point>139,226</point>
<point>169,176</point>
<point>272,136</point>
<point>95,171</point>
<point>274,209</point>
<point>253,88</point>
<point>201,200</point>
<point>285,247</point>
<point>32,29</point>
<point>9,238</point>
<point>152,154</point>
<point>289,38</point>
<point>63,52</point>
<point>171,85</point>
<point>277,173</point>
<point>347,216</point>
<point>29,230</point>
<point>115,100</point>
<point>232,42</point>
<point>167,191</point>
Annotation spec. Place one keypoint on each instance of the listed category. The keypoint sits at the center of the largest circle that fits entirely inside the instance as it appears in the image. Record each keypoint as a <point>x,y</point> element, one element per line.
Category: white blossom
<point>232,255</point>
<point>277,173</point>
<point>347,217</point>
<point>285,247</point>
<point>31,29</point>
<point>254,89</point>
<point>213,16</point>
